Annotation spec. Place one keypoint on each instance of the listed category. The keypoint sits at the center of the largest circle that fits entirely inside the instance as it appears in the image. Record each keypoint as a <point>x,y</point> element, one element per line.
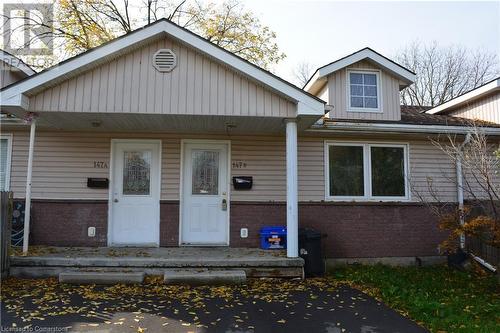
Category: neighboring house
<point>170,119</point>
<point>481,103</point>
<point>12,69</point>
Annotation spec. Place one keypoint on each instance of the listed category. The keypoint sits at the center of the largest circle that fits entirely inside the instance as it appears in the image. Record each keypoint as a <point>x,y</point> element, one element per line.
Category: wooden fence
<point>5,230</point>
<point>484,251</point>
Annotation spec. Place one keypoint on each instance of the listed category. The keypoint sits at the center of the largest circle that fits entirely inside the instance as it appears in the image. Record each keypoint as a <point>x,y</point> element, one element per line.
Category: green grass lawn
<point>439,298</point>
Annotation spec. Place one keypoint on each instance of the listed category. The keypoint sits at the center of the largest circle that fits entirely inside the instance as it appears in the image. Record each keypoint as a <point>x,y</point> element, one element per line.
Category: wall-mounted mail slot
<point>242,182</point>
<point>98,182</point>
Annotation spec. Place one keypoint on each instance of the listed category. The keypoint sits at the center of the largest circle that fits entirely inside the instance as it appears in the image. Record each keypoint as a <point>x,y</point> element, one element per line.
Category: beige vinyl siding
<point>311,176</point>
<point>389,91</point>
<point>64,160</point>
<point>9,76</point>
<point>486,108</point>
<point>427,164</point>
<point>431,173</point>
<point>130,84</point>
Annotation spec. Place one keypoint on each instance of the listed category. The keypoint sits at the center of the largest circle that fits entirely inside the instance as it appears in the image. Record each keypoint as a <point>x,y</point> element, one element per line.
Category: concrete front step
<point>78,277</point>
<point>204,277</point>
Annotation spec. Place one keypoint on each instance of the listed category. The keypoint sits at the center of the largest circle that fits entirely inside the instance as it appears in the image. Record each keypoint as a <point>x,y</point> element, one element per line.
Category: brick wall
<point>65,223</point>
<point>353,230</point>
<point>169,223</point>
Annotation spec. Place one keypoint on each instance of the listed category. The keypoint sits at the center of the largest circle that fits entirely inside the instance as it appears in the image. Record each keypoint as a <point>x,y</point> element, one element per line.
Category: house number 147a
<point>100,165</point>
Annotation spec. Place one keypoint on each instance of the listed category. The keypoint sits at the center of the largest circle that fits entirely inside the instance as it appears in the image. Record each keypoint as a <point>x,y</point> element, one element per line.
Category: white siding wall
<point>486,108</point>
<point>389,90</point>
<point>130,84</point>
<point>64,160</point>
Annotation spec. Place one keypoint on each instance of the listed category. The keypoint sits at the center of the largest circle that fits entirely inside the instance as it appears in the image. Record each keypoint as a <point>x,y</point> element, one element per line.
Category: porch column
<point>27,210</point>
<point>292,218</point>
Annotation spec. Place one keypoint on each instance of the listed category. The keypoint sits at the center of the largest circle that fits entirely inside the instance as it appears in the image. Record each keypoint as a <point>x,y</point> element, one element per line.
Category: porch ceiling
<point>130,122</point>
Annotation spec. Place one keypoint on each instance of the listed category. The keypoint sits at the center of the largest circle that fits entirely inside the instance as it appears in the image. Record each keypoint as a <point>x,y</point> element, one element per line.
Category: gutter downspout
<point>460,188</point>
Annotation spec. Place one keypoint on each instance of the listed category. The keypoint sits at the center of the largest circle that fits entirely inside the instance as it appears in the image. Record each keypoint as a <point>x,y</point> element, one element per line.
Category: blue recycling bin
<point>273,238</point>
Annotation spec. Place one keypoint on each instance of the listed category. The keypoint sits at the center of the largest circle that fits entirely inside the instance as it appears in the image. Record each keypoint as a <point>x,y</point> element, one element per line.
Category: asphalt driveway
<point>314,305</point>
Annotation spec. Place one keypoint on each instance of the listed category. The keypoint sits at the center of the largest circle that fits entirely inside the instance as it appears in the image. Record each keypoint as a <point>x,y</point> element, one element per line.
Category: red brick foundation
<point>169,223</point>
<point>354,230</point>
<point>65,222</point>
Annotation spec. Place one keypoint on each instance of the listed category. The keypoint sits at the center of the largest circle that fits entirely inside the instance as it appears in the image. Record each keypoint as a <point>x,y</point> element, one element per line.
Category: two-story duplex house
<point>138,143</point>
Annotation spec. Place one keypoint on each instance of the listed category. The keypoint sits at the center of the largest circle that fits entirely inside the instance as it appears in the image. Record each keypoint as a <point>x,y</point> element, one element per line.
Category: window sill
<point>365,110</point>
<point>367,200</point>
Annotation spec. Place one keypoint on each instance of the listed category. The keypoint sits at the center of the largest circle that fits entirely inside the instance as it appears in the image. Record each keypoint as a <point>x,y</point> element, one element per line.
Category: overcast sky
<point>322,31</point>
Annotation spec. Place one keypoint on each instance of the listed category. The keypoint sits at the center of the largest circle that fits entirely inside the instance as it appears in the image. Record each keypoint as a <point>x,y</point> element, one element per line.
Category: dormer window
<point>363,91</point>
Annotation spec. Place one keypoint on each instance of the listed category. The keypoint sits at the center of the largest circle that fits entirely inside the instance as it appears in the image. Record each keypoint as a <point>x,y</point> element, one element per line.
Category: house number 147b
<point>100,165</point>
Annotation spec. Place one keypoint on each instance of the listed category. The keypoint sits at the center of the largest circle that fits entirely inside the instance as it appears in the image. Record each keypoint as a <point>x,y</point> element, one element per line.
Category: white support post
<point>460,198</point>
<point>292,218</point>
<point>460,186</point>
<point>27,211</point>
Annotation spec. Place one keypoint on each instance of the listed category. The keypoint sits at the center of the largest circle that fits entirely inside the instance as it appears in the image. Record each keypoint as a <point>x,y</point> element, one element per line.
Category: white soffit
<point>319,77</point>
<point>467,97</point>
<point>307,104</point>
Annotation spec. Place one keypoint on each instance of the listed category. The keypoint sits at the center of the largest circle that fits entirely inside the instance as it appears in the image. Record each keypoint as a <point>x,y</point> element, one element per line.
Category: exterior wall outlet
<point>243,232</point>
<point>91,231</point>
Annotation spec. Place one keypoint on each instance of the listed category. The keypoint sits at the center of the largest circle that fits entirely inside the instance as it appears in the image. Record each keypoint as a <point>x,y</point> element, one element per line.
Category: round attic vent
<point>164,60</point>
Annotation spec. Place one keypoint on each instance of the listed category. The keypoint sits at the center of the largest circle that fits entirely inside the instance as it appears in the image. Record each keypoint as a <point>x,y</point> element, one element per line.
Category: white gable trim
<point>403,74</point>
<point>16,63</point>
<point>308,104</point>
<point>467,97</point>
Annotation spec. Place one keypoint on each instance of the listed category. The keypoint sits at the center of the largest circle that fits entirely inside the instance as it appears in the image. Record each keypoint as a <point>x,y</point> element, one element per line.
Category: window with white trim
<point>366,171</point>
<point>363,90</point>
<point>5,151</point>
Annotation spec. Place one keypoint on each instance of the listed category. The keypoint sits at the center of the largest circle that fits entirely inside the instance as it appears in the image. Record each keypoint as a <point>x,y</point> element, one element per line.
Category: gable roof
<point>318,79</point>
<point>487,88</point>
<point>17,63</point>
<point>13,96</point>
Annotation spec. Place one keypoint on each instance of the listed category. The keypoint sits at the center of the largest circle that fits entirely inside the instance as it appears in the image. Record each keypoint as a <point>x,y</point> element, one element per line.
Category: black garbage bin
<point>310,251</point>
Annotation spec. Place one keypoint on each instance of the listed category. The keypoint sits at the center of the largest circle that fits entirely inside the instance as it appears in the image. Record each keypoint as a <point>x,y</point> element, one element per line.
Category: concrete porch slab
<point>78,277</point>
<point>204,277</point>
<point>50,261</point>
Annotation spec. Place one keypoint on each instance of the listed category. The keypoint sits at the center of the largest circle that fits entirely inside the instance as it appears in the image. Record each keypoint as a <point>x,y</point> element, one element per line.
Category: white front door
<point>205,200</point>
<point>135,193</point>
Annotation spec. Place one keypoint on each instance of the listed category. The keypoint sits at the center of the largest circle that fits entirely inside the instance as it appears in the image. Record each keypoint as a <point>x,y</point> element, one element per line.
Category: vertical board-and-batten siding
<point>389,90</point>
<point>64,160</point>
<point>485,108</point>
<point>130,84</point>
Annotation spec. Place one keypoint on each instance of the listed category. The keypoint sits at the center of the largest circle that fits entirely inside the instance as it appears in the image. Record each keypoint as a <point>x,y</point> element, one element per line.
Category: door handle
<point>224,204</point>
<point>116,200</point>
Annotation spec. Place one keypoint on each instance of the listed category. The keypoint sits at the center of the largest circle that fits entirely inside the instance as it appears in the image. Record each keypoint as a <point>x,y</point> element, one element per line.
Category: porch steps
<point>204,277</point>
<point>255,263</point>
<point>88,277</point>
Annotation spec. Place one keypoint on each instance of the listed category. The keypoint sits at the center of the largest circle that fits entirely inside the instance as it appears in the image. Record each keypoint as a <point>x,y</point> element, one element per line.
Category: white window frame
<point>377,73</point>
<point>367,173</point>
<point>8,137</point>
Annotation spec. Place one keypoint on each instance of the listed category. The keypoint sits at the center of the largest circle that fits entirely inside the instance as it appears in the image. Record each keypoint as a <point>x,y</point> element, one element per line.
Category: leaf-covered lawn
<point>439,298</point>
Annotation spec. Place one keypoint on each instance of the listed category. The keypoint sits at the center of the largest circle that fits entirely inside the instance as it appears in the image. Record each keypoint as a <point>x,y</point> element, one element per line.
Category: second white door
<point>205,200</point>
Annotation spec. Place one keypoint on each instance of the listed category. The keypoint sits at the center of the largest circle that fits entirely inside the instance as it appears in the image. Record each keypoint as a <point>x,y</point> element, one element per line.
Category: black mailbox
<point>242,182</point>
<point>98,182</point>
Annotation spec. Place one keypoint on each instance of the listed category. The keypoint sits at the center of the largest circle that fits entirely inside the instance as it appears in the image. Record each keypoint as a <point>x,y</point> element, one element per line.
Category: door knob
<point>116,200</point>
<point>224,204</point>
